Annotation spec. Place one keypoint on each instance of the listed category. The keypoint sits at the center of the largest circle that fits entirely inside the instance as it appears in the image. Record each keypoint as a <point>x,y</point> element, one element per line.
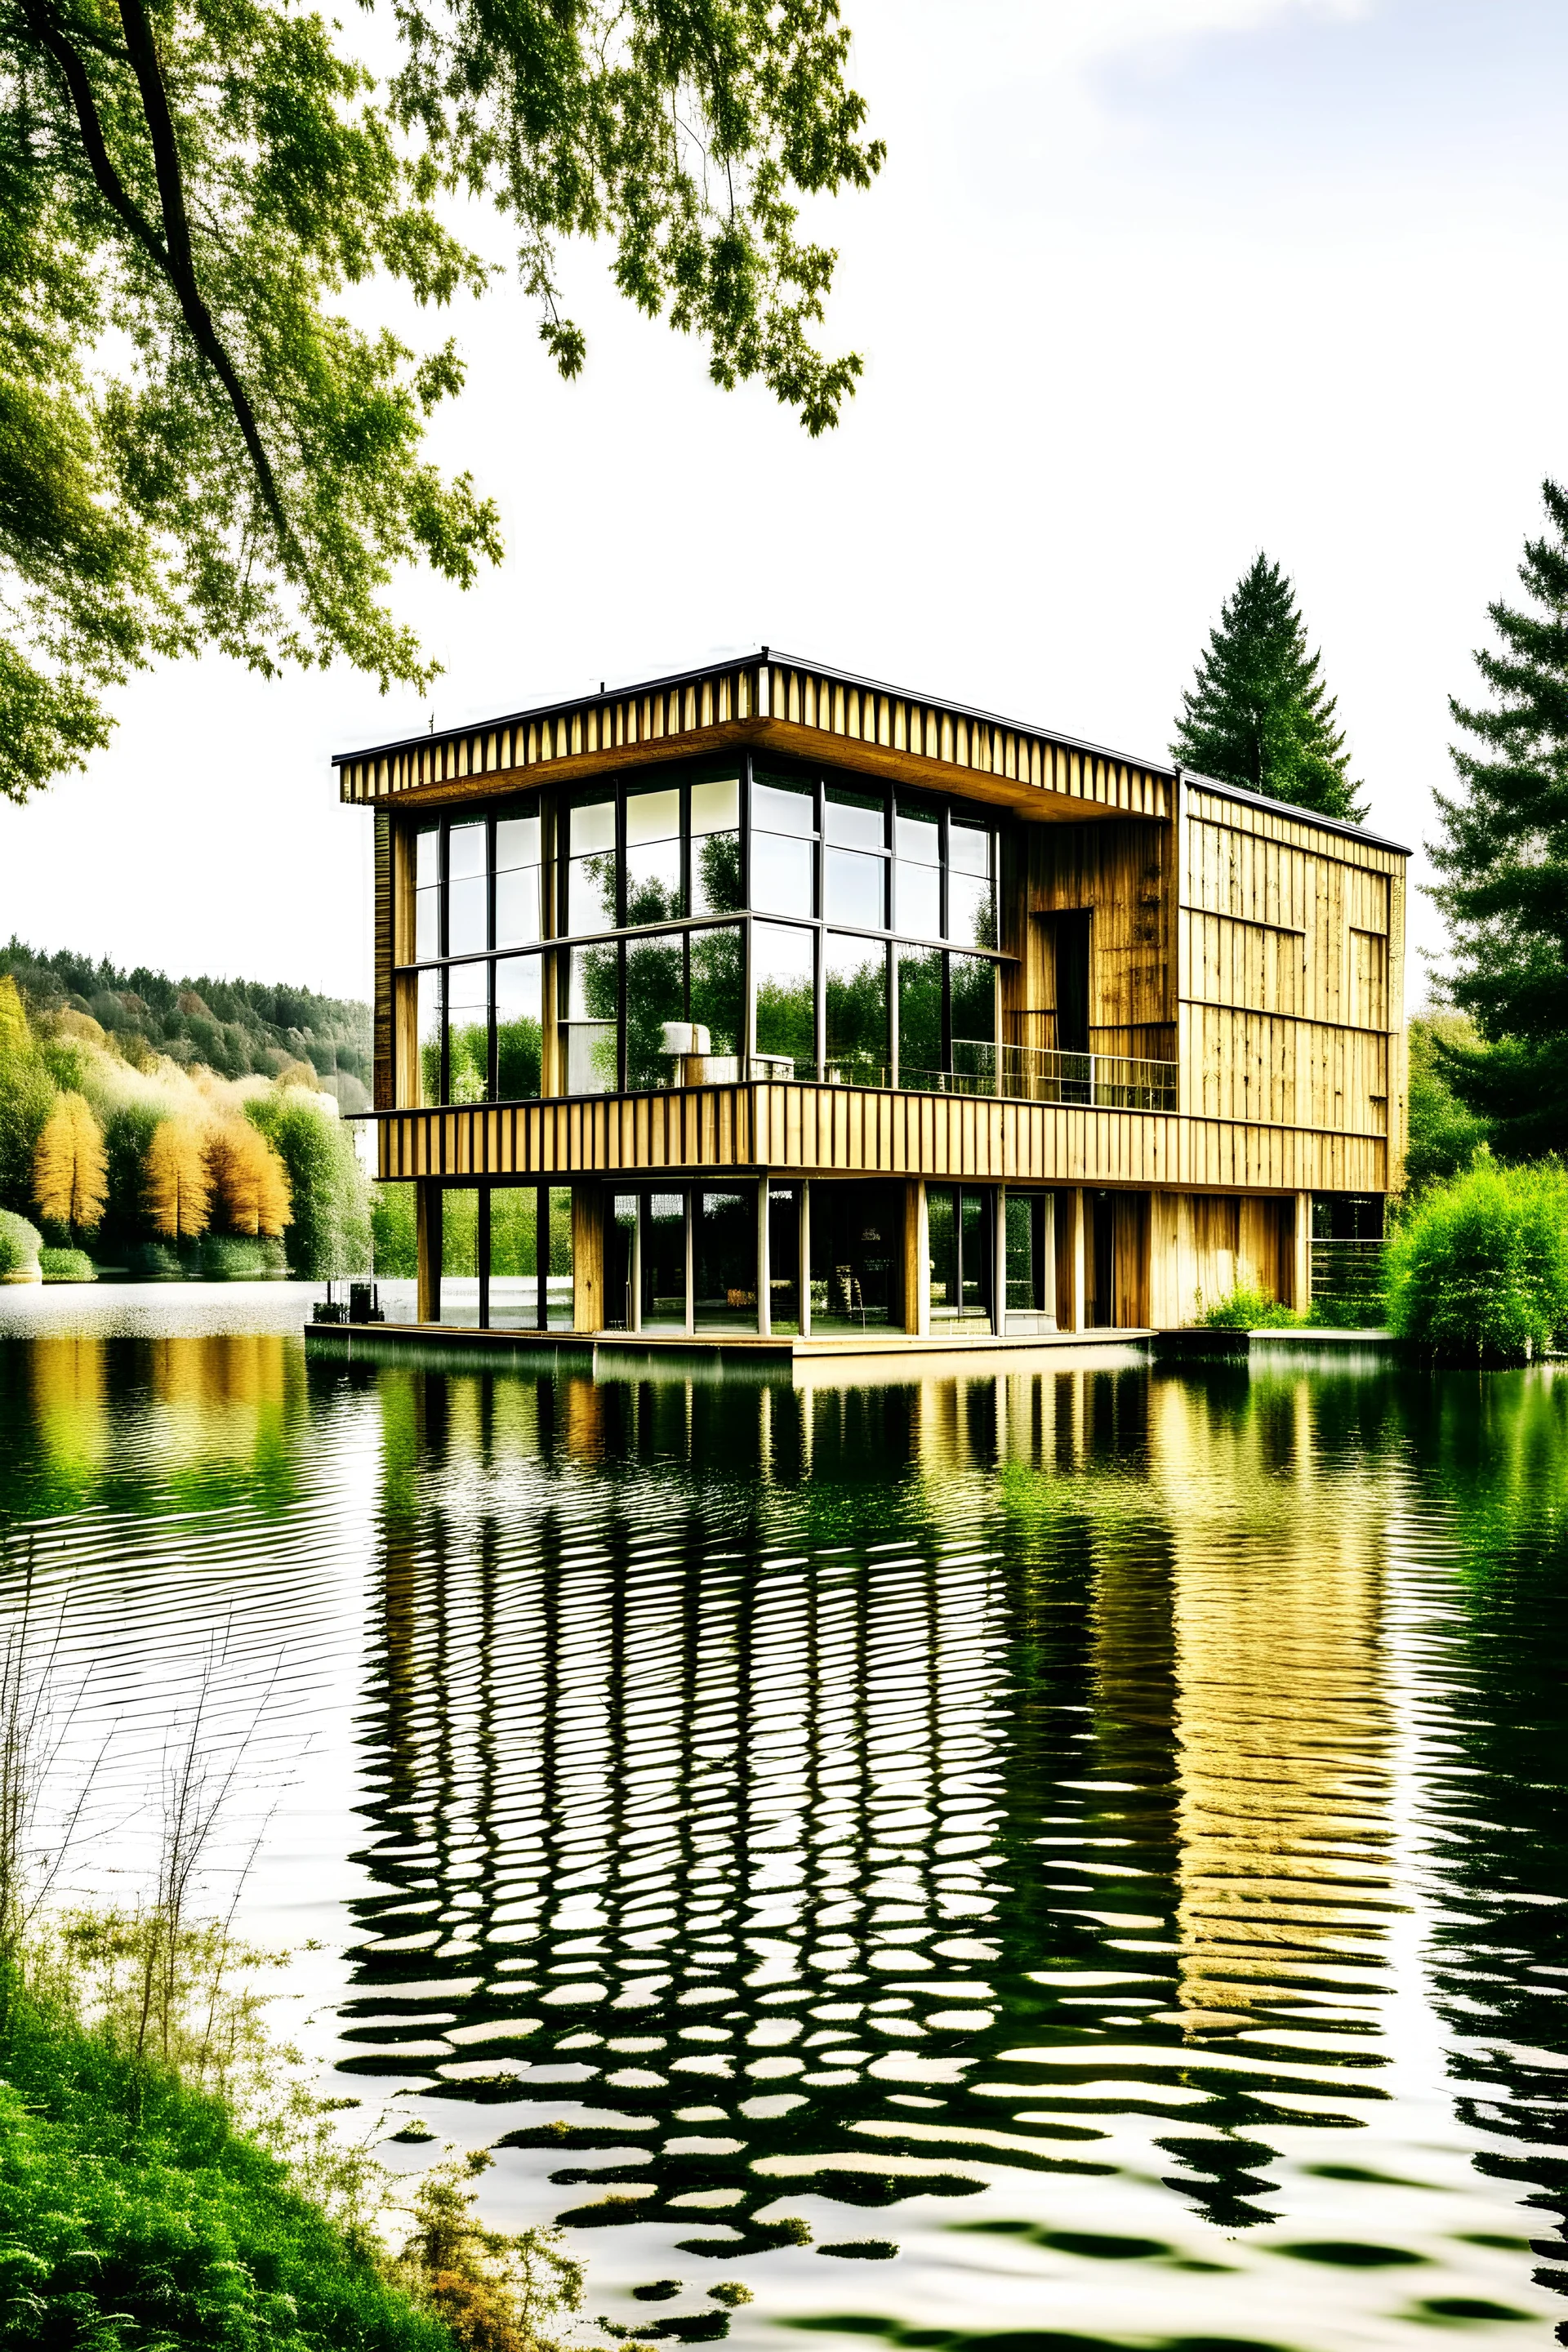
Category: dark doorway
<point>1069,948</point>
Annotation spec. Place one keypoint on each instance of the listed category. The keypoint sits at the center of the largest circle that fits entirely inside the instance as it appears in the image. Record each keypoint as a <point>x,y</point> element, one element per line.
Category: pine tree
<point>1504,859</point>
<point>70,1175</point>
<point>1258,713</point>
<point>176,1187</point>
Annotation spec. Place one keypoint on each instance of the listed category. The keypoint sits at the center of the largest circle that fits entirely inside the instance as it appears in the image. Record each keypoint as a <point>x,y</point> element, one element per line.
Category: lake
<point>1063,1859</point>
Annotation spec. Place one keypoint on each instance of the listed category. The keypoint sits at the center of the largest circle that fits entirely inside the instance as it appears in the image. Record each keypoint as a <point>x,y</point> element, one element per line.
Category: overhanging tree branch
<point>169,253</point>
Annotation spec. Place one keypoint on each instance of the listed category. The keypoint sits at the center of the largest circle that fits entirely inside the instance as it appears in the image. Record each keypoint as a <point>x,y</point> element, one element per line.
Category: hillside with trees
<point>234,1027</point>
<point>141,1164</point>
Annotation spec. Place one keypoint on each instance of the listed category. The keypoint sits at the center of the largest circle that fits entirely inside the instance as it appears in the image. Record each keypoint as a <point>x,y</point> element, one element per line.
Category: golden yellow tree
<point>70,1176</point>
<point>176,1187</point>
<point>251,1184</point>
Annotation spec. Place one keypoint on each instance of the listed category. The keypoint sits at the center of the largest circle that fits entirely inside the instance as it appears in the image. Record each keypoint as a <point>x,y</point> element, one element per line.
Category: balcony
<point>1011,1073</point>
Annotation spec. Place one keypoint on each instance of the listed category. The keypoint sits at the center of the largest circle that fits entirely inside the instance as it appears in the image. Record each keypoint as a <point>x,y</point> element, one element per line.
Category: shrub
<point>20,1243</point>
<point>1478,1272</point>
<point>66,1266</point>
<point>236,1258</point>
<point>155,1262</point>
<point>1246,1310</point>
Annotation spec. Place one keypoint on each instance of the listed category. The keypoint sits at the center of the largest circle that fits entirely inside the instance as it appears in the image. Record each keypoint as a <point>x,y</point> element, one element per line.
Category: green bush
<point>20,1243</point>
<point>234,1257</point>
<point>1478,1270</point>
<point>153,1262</point>
<point>131,2211</point>
<point>1246,1310</point>
<point>66,1266</point>
<point>329,1234</point>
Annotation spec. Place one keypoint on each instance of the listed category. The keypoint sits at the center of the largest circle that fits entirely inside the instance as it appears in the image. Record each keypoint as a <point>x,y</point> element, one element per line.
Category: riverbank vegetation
<point>135,1163</point>
<point>167,2175</point>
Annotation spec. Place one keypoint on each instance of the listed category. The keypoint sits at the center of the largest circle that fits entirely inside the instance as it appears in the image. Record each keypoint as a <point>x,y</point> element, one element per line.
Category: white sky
<point>1144,286</point>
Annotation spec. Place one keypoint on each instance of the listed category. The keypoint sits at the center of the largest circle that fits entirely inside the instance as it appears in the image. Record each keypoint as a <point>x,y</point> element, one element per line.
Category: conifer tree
<point>70,1175</point>
<point>177,1188</point>
<point>1258,713</point>
<point>1504,859</point>
<point>250,1182</point>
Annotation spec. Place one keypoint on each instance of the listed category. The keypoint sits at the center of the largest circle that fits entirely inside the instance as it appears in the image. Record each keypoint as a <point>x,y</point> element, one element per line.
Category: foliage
<point>177,1184</point>
<point>27,1093</point>
<point>232,1026</point>
<point>250,1192</point>
<point>133,2213</point>
<point>233,1257</point>
<point>66,1266</point>
<point>495,2293</point>
<point>1444,1135</point>
<point>197,444</point>
<point>392,1231</point>
<point>1246,1310</point>
<point>331,1230</point>
<point>1478,1270</point>
<point>1258,713</point>
<point>70,1175</point>
<point>1502,856</point>
<point>20,1243</point>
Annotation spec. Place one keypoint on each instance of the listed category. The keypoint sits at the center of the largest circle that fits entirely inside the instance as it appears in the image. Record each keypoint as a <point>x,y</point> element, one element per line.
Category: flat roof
<point>773,656</point>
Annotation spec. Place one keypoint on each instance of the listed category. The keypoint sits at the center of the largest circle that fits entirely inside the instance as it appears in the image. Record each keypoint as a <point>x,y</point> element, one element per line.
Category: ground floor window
<point>961,1229</point>
<point>857,1241</point>
<point>505,1256</point>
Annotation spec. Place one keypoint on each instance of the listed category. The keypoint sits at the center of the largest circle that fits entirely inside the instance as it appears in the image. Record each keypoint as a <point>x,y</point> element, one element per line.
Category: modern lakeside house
<point>765,1002</point>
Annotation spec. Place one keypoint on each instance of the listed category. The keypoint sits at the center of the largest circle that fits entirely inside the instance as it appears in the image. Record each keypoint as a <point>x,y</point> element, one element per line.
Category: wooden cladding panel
<point>1258,1066</point>
<point>1290,945</point>
<point>776,700</point>
<point>382,1054</point>
<point>851,1130</point>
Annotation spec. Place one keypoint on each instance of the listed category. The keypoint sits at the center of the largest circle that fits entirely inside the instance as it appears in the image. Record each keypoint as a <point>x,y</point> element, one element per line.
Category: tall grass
<point>168,2176</point>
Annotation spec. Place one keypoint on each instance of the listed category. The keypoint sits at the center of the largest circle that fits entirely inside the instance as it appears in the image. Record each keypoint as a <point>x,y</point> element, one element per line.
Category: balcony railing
<point>1015,1072</point>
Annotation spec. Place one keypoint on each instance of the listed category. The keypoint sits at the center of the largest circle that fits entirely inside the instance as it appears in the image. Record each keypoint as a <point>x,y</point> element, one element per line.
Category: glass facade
<point>698,925</point>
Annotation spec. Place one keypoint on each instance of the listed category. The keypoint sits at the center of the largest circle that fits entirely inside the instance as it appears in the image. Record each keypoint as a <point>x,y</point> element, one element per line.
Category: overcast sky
<point>1145,286</point>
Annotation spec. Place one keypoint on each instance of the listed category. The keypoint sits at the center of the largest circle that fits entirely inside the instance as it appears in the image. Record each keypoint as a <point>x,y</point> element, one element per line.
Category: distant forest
<point>231,1025</point>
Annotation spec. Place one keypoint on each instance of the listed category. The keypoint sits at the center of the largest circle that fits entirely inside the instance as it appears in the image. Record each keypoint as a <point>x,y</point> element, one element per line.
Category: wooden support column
<point>427,1249</point>
<point>1070,1302</point>
<point>999,1264</point>
<point>804,1196</point>
<point>689,1197</point>
<point>588,1258</point>
<point>764,1267</point>
<point>916,1261</point>
<point>1301,1267</point>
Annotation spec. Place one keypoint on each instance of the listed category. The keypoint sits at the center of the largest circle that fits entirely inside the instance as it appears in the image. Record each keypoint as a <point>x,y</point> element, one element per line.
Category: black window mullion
<point>542,1253</point>
<point>442,934</point>
<point>621,1017</point>
<point>482,1254</point>
<point>746,830</point>
<point>946,1010</point>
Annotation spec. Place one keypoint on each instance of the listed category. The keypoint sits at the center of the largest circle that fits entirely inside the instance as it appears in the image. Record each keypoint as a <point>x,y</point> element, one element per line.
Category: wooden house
<point>764,1000</point>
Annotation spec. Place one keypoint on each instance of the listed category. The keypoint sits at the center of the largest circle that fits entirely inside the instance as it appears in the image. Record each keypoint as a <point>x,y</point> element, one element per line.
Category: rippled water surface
<point>1015,1860</point>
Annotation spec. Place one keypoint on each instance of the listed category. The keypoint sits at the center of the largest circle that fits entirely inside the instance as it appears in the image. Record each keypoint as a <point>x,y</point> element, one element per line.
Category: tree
<point>176,1186</point>
<point>197,446</point>
<point>26,1097</point>
<point>70,1175</point>
<point>250,1182</point>
<point>328,1233</point>
<point>1502,857</point>
<point>1258,713</point>
<point>1444,1136</point>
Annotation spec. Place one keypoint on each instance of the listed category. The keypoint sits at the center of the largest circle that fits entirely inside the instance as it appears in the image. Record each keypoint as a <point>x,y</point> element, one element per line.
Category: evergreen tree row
<point>233,1026</point>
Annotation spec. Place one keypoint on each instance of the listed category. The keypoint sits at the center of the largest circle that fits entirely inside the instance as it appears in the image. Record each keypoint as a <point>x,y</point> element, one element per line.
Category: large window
<point>699,924</point>
<point>474,1029</point>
